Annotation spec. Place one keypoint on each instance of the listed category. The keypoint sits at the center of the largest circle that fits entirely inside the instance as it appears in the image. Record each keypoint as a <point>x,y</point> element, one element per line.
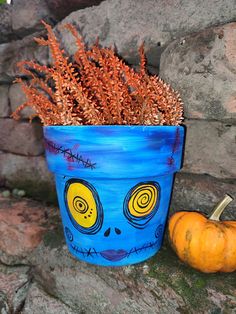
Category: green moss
<point>162,277</point>
<point>187,282</point>
<point>200,283</point>
<point>165,257</point>
<point>183,288</point>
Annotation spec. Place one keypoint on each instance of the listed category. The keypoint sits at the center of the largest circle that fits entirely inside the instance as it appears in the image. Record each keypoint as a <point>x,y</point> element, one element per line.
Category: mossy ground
<point>168,271</point>
<point>190,284</point>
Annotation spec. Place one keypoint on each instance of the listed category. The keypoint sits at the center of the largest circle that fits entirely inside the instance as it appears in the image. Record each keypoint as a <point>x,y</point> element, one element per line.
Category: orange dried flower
<point>96,88</point>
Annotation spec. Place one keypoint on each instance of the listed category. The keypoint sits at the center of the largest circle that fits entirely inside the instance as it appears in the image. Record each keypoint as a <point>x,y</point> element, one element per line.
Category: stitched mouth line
<point>92,251</point>
<point>145,247</point>
<point>85,252</point>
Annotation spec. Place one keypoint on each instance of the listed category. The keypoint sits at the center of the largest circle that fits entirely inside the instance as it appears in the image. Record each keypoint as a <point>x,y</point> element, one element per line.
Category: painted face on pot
<point>105,220</point>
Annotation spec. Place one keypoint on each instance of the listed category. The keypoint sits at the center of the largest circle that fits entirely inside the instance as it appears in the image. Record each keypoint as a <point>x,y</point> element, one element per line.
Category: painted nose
<point>108,231</point>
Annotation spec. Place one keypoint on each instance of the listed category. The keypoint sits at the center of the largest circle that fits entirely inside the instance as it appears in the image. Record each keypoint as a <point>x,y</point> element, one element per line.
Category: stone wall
<point>191,45</point>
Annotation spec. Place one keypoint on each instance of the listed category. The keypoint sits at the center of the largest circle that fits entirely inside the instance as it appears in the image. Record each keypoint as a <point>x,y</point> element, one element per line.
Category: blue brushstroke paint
<point>114,161</point>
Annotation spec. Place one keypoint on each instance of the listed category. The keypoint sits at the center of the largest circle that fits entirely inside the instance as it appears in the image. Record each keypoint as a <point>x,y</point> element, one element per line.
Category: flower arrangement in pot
<point>113,140</point>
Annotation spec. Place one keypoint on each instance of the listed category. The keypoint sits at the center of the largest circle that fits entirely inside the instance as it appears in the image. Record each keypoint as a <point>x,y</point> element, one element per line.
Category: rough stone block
<point>4,308</point>
<point>60,8</point>
<point>21,137</point>
<point>210,148</point>
<point>27,16</point>
<point>22,226</point>
<point>128,23</point>
<point>17,98</point>
<point>202,68</point>
<point>18,50</point>
<point>4,101</point>
<point>6,33</point>
<point>27,173</point>
<point>38,301</point>
<point>20,230</point>
<point>14,285</point>
<point>161,285</point>
<point>202,193</point>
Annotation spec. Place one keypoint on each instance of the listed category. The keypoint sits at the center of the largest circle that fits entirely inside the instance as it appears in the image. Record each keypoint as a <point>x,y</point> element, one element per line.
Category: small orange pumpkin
<point>206,244</point>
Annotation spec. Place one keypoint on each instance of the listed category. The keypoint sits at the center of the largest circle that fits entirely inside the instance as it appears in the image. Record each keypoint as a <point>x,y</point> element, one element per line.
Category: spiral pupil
<point>80,205</point>
<point>143,198</point>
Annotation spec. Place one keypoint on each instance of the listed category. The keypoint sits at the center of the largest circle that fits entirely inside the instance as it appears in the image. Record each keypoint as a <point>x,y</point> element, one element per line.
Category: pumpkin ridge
<point>176,231</point>
<point>172,230</point>
<point>211,261</point>
<point>173,217</point>
<point>195,256</point>
<point>188,238</point>
<point>230,249</point>
<point>183,227</point>
<point>225,260</point>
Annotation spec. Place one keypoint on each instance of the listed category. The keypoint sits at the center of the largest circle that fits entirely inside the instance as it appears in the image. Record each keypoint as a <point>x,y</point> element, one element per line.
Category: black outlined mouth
<point>113,255</point>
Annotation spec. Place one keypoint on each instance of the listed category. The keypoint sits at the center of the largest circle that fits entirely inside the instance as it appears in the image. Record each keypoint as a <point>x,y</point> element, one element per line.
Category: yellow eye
<point>83,205</point>
<point>141,203</point>
<point>143,200</point>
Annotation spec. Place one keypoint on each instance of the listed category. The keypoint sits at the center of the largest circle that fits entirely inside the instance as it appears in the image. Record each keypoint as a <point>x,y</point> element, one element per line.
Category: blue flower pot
<point>114,185</point>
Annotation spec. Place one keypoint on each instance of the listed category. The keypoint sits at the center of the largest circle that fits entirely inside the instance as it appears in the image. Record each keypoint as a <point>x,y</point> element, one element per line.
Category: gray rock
<point>103,292</point>
<point>27,173</point>
<point>60,8</point>
<point>202,68</point>
<point>4,102</point>
<point>14,285</point>
<point>38,301</point>
<point>202,193</point>
<point>21,137</point>
<point>27,16</point>
<point>210,148</point>
<point>4,308</point>
<point>128,23</point>
<point>17,98</point>
<point>23,224</point>
<point>167,287</point>
<point>6,33</point>
<point>25,49</point>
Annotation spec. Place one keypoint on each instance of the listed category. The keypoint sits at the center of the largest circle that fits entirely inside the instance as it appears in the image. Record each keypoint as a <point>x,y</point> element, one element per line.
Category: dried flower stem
<point>95,88</point>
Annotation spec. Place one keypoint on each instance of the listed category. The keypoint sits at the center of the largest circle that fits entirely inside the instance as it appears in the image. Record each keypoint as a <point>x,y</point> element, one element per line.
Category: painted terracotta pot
<point>114,185</point>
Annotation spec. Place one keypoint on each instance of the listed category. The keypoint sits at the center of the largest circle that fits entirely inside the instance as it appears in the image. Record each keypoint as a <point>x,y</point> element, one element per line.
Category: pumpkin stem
<point>219,208</point>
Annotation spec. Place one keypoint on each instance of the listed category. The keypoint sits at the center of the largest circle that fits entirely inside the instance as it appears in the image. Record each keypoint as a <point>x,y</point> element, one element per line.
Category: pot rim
<point>114,125</point>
